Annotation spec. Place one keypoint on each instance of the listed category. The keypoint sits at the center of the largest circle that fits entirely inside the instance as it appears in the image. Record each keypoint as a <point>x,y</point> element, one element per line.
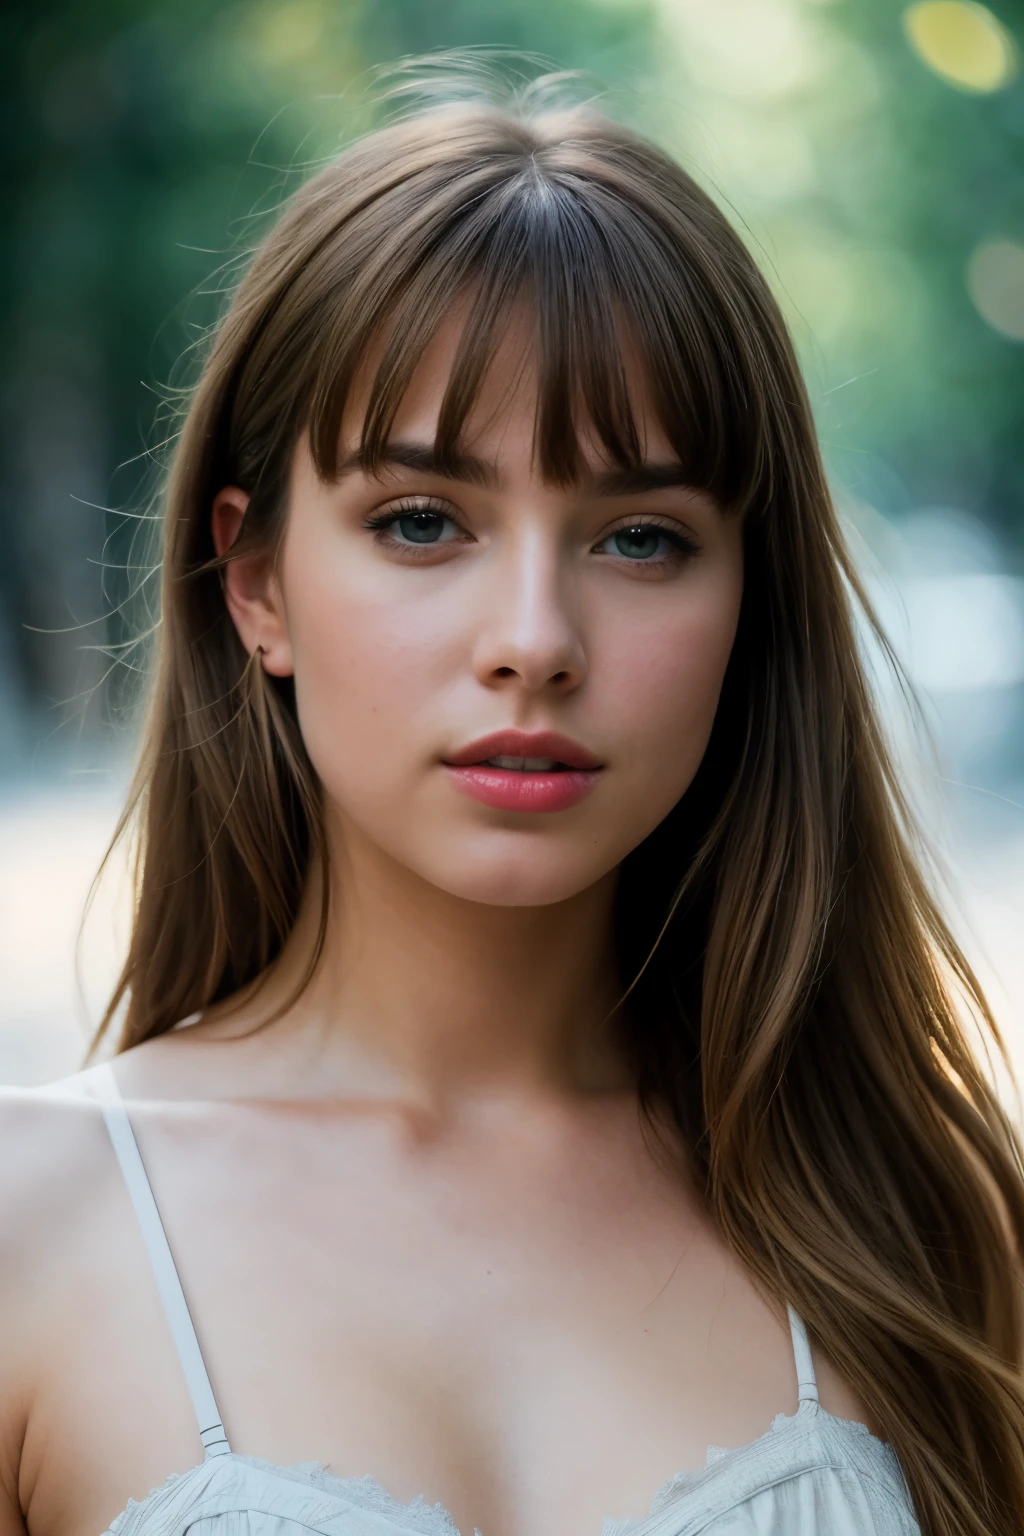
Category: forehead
<point>500,417</point>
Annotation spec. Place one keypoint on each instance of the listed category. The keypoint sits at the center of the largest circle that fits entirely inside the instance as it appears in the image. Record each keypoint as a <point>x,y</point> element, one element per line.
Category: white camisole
<point>810,1474</point>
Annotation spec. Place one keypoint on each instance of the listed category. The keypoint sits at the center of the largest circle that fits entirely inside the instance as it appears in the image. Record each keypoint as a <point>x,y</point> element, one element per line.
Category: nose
<point>529,636</point>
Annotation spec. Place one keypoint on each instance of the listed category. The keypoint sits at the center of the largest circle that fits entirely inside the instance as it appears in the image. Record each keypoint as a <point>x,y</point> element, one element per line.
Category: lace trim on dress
<point>364,1492</point>
<point>425,1519</point>
<point>419,1516</point>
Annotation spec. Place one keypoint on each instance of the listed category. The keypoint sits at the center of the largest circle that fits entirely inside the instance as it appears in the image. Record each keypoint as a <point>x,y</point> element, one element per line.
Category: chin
<point>531,876</point>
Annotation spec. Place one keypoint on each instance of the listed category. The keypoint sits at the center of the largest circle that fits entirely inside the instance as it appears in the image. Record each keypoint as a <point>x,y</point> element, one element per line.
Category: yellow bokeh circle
<point>962,42</point>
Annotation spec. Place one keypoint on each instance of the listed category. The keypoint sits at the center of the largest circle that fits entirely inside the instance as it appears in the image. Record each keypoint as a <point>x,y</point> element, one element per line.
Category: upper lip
<point>524,744</point>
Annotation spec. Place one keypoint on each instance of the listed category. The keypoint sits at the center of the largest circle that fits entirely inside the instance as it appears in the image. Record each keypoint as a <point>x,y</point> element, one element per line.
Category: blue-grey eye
<point>640,543</point>
<point>420,527</point>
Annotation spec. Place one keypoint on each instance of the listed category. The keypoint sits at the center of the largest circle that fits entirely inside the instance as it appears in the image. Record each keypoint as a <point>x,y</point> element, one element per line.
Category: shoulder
<point>54,1182</point>
<point>52,1146</point>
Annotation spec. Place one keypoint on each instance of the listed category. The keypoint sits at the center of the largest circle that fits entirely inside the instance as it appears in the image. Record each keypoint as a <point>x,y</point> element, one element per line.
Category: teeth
<point>524,764</point>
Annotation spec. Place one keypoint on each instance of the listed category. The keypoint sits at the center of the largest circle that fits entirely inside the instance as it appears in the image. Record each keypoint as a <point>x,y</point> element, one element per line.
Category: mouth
<point>526,764</point>
<point>526,752</point>
<point>513,771</point>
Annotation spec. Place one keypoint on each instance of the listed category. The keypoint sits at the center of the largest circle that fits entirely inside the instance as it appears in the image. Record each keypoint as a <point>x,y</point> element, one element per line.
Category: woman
<point>540,1040</point>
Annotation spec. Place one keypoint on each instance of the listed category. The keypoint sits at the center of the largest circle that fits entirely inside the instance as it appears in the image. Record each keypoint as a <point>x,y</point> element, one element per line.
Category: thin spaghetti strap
<point>211,1430</point>
<point>807,1382</point>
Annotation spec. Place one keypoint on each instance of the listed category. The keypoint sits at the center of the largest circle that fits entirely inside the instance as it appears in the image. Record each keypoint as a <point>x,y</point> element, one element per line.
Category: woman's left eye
<point>647,543</point>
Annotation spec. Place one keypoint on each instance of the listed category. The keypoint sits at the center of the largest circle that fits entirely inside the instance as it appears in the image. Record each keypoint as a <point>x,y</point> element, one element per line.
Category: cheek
<point>664,680</point>
<point>368,666</point>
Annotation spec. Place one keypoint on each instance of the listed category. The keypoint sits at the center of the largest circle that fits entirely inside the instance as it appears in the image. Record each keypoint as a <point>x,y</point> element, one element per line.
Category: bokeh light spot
<point>291,31</point>
<point>963,42</point>
<point>995,282</point>
<point>761,50</point>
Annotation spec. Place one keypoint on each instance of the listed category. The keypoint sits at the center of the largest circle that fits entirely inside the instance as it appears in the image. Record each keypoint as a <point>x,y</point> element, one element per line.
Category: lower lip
<point>506,790</point>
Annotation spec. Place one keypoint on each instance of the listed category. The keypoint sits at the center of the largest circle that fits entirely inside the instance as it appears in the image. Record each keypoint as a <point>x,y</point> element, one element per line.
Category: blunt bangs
<point>610,265</point>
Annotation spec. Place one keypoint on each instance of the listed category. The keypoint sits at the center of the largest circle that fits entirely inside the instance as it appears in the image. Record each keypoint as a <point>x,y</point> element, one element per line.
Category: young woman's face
<point>502,684</point>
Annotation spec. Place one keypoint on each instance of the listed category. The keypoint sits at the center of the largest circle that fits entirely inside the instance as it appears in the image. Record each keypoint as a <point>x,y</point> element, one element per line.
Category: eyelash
<point>684,546</point>
<point>378,523</point>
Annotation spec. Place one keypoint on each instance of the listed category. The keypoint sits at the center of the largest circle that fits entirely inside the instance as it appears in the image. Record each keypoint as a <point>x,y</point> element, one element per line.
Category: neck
<point>425,996</point>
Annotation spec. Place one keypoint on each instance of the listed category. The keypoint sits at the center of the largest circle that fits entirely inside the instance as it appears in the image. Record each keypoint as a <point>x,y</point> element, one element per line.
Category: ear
<point>252,591</point>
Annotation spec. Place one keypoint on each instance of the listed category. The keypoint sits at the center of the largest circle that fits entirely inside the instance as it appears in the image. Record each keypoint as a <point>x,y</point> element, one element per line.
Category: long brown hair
<point>795,997</point>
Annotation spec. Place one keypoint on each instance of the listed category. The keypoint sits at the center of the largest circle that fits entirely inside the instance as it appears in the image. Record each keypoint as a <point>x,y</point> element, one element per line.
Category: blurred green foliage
<point>146,140</point>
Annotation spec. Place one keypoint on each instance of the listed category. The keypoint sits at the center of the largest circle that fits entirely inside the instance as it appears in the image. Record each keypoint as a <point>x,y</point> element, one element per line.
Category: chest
<point>534,1332</point>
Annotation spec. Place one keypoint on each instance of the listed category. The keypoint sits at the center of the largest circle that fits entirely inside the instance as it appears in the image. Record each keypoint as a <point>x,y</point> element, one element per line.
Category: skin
<point>420,1230</point>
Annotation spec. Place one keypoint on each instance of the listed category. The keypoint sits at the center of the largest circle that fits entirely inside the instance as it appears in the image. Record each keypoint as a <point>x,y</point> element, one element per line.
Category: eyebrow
<point>636,480</point>
<point>633,480</point>
<point>424,459</point>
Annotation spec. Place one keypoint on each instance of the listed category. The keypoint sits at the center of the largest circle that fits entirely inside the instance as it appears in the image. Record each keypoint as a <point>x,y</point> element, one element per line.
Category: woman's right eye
<point>423,528</point>
<point>414,528</point>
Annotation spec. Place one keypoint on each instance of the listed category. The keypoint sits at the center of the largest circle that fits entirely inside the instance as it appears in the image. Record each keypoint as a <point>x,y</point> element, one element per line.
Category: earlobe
<point>276,654</point>
<point>252,594</point>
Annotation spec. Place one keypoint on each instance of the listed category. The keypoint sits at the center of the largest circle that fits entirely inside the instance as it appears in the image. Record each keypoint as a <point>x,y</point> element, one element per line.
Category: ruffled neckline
<point>425,1519</point>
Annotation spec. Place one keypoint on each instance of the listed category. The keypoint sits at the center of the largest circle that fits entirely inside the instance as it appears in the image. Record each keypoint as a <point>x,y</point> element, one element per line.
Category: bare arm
<point>11,1440</point>
<point>40,1159</point>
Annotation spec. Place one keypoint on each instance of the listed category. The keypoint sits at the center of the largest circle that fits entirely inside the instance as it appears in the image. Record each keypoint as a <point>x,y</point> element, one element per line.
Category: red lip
<point>525,744</point>
<point>529,790</point>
